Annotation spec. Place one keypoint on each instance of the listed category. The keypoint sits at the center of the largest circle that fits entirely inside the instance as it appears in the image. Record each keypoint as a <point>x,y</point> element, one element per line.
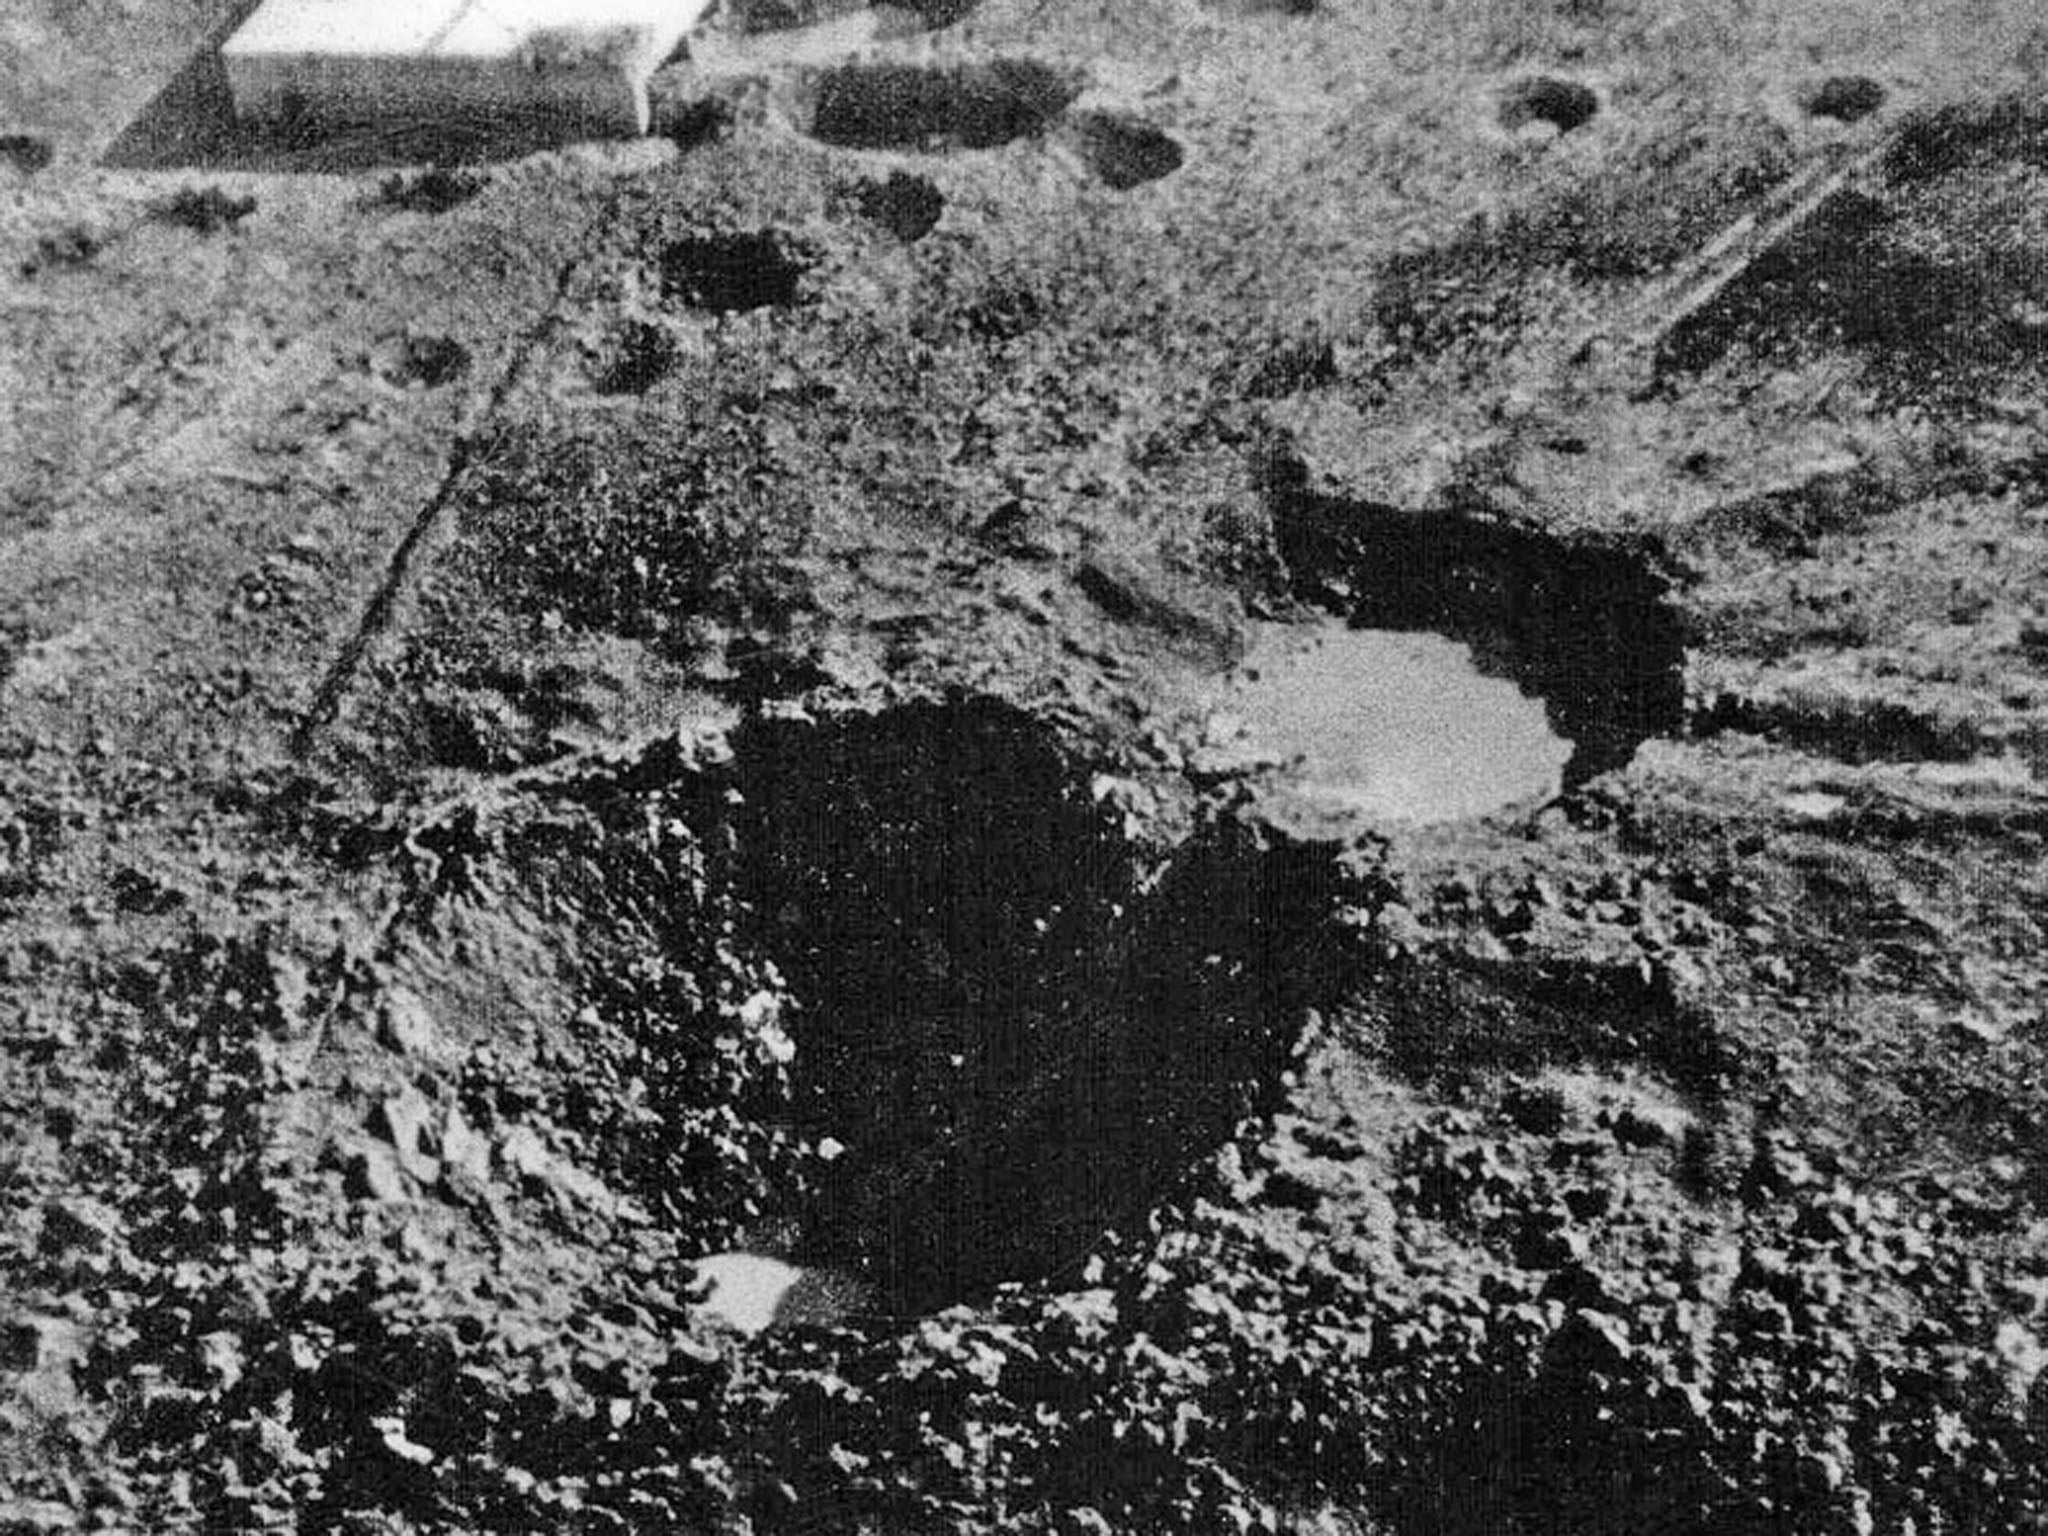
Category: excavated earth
<point>1197,765</point>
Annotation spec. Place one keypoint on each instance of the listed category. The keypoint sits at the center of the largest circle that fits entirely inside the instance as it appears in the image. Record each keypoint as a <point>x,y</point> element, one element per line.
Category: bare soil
<point>567,708</point>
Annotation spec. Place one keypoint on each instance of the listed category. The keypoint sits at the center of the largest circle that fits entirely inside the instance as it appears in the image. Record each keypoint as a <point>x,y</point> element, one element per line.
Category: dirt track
<point>586,706</point>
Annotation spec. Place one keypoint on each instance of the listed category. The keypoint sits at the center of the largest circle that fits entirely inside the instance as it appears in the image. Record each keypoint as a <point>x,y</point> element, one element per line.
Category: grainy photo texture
<point>1024,767</point>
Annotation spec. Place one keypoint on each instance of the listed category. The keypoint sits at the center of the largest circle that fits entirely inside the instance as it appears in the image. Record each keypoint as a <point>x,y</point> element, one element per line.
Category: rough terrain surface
<point>571,709</point>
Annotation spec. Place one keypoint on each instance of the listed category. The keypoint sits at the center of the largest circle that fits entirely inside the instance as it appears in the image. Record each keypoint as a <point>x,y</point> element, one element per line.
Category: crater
<point>1585,626</point>
<point>734,272</point>
<point>1845,98</point>
<point>26,152</point>
<point>424,362</point>
<point>893,998</point>
<point>908,206</point>
<point>436,190</point>
<point>1564,104</point>
<point>933,108</point>
<point>1125,152</point>
<point>635,358</point>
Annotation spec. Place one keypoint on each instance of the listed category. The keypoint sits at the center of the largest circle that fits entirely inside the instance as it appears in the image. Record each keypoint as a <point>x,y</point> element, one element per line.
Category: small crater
<point>728,273</point>
<point>1564,104</point>
<point>1845,98</point>
<point>426,362</point>
<point>205,210</point>
<point>907,206</point>
<point>1586,627</point>
<point>430,191</point>
<point>25,152</point>
<point>62,250</point>
<point>1126,152</point>
<point>929,108</point>
<point>640,355</point>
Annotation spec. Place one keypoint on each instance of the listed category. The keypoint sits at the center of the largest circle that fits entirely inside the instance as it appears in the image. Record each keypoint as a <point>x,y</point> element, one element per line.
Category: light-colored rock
<point>585,61</point>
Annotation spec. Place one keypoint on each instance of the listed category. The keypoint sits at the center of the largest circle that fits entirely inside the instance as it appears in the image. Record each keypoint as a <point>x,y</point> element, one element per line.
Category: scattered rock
<point>374,1174</point>
<point>405,1026</point>
<point>36,1517</point>
<point>405,1120</point>
<point>465,1151</point>
<point>37,1343</point>
<point>77,1224</point>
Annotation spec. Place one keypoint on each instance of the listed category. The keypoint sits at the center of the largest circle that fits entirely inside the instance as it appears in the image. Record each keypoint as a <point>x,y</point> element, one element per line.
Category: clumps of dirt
<point>1564,104</point>
<point>1589,627</point>
<point>730,273</point>
<point>908,206</point>
<point>635,358</point>
<point>205,210</point>
<point>28,153</point>
<point>1123,151</point>
<point>423,362</point>
<point>432,191</point>
<point>1844,98</point>
<point>934,108</point>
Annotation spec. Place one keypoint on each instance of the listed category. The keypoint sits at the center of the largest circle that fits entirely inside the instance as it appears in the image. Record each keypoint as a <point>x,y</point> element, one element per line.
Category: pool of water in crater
<point>1395,725</point>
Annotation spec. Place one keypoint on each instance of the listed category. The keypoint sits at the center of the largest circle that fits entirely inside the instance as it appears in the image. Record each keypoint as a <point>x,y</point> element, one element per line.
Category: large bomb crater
<point>959,1020</point>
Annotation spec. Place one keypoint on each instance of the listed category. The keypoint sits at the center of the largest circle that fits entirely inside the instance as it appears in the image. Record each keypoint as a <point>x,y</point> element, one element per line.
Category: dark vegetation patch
<point>932,107</point>
<point>28,153</point>
<point>1845,98</point>
<point>1933,317</point>
<point>907,206</point>
<point>1588,626</point>
<point>1125,152</point>
<point>428,362</point>
<point>733,272</point>
<point>637,356</point>
<point>205,210</point>
<point>1564,104</point>
<point>435,190</point>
